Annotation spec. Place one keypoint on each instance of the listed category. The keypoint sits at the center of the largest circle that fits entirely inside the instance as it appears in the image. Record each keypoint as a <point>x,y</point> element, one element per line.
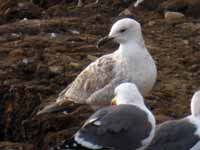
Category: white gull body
<point>131,62</point>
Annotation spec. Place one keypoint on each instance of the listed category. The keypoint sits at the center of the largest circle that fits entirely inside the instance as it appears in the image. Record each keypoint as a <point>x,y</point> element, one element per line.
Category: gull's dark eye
<point>122,30</point>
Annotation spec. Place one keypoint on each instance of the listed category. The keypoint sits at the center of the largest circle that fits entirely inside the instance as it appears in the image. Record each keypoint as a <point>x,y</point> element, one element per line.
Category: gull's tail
<point>62,102</point>
<point>55,107</point>
<point>61,105</point>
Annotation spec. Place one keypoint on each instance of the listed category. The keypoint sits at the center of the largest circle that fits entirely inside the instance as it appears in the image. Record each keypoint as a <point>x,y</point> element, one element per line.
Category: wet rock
<point>53,139</point>
<point>117,2</point>
<point>194,68</point>
<point>12,9</point>
<point>16,100</point>
<point>151,5</point>
<point>55,127</point>
<point>17,54</point>
<point>189,27</point>
<point>162,118</point>
<point>15,146</point>
<point>5,7</point>
<point>47,3</point>
<point>174,17</point>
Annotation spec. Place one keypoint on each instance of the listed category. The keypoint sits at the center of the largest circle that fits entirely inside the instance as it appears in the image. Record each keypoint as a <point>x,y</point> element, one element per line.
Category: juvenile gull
<point>128,125</point>
<point>182,134</point>
<point>131,62</point>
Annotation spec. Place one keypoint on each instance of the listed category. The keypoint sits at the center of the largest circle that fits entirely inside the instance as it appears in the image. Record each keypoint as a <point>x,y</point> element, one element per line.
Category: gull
<point>131,62</point>
<point>126,125</point>
<point>181,134</point>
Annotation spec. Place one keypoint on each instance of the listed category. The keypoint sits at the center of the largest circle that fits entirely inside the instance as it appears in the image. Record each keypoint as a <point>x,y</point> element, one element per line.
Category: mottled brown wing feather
<point>94,77</point>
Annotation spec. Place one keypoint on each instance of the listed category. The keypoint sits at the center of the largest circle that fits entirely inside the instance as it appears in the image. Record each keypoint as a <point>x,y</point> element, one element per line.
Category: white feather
<point>85,143</point>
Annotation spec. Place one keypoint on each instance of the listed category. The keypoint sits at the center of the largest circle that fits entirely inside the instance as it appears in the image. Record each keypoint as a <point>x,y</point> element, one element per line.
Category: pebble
<point>73,65</point>
<point>162,118</point>
<point>24,19</point>
<point>15,35</point>
<point>186,42</point>
<point>56,69</point>
<point>21,5</point>
<point>125,12</point>
<point>53,35</point>
<point>74,32</point>
<point>174,17</point>
<point>25,61</point>
<point>91,57</point>
<point>151,23</point>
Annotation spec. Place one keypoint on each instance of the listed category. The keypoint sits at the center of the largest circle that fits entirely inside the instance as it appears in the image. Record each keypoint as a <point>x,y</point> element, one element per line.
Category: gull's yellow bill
<point>114,101</point>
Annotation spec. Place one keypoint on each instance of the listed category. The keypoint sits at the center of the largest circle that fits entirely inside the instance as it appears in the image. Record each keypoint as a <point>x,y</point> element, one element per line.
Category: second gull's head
<point>127,93</point>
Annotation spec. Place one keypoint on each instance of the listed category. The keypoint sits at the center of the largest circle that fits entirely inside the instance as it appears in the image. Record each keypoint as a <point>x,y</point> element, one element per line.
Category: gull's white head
<point>127,93</point>
<point>126,30</point>
<point>195,104</point>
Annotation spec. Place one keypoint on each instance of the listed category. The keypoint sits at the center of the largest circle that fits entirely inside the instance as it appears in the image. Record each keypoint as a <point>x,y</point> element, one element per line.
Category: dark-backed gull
<point>182,134</point>
<point>131,62</point>
<point>128,125</point>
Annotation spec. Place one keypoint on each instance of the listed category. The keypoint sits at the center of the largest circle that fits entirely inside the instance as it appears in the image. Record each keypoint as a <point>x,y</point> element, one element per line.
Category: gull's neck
<point>139,101</point>
<point>131,49</point>
<point>139,104</point>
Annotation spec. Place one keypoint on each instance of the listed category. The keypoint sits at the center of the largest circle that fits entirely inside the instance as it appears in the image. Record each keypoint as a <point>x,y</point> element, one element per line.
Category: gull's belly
<point>144,78</point>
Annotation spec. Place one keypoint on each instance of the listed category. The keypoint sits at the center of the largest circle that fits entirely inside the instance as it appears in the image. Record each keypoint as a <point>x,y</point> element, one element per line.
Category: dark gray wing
<point>174,135</point>
<point>120,127</point>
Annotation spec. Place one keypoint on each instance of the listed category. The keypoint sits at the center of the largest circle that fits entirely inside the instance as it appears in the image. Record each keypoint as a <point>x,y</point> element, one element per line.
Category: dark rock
<point>17,103</point>
<point>162,118</point>
<point>15,146</point>
<point>151,5</point>
<point>12,9</point>
<point>46,129</point>
<point>188,7</point>
<point>17,54</point>
<point>174,17</point>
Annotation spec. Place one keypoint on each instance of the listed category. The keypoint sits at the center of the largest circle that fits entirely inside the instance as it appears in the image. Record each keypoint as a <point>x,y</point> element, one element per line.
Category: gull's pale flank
<point>182,134</point>
<point>127,126</point>
<point>131,62</point>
